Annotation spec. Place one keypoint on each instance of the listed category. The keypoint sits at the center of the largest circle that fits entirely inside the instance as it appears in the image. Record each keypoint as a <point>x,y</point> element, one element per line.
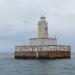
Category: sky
<point>18,21</point>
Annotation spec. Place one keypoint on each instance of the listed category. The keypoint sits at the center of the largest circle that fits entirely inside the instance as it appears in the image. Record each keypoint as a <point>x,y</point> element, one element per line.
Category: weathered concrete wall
<point>43,48</point>
<point>42,54</point>
<point>59,54</point>
<point>25,54</point>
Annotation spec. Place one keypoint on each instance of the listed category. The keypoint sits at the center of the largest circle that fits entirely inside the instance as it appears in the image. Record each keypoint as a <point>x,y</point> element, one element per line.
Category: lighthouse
<point>43,46</point>
<point>43,38</point>
<point>42,28</point>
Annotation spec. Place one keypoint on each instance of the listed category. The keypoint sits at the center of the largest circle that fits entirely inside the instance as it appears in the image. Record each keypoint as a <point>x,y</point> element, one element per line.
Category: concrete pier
<point>42,55</point>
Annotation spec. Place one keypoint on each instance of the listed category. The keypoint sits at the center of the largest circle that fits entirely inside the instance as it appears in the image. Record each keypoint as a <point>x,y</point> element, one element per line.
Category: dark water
<point>11,66</point>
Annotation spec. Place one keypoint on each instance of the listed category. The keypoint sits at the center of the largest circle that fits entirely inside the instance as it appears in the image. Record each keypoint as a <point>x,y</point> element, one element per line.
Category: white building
<point>42,42</point>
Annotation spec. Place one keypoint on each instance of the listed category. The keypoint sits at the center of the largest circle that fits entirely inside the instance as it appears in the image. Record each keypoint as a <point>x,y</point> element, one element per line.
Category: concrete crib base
<point>42,55</point>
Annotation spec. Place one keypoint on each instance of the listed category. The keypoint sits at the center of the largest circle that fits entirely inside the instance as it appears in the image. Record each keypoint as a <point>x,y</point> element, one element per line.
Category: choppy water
<point>11,66</point>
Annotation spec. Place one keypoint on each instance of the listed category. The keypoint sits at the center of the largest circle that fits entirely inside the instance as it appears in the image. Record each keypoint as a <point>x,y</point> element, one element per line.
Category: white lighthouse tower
<point>42,28</point>
<point>43,38</point>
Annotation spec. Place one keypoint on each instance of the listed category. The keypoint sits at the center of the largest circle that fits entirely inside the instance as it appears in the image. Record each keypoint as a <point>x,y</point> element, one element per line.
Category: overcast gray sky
<point>18,21</point>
